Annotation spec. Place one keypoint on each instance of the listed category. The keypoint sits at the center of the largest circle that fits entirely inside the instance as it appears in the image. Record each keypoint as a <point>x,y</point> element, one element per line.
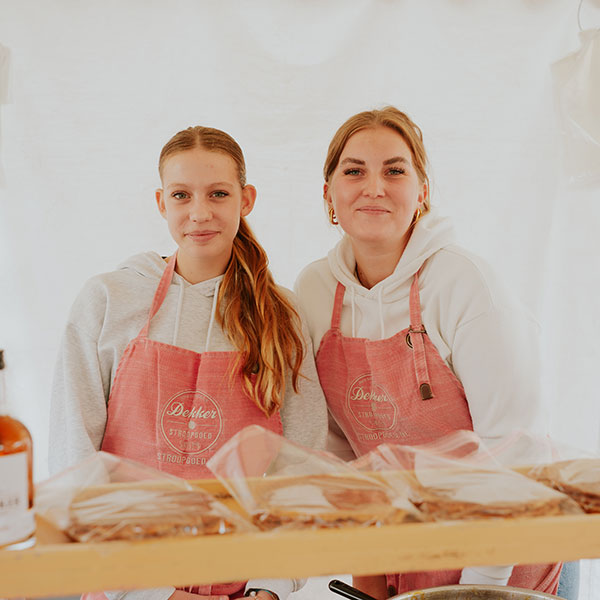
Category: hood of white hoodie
<point>152,265</point>
<point>431,233</point>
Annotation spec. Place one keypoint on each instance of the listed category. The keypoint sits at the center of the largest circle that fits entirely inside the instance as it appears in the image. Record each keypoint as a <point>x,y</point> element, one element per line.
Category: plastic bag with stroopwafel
<point>284,485</point>
<point>446,488</point>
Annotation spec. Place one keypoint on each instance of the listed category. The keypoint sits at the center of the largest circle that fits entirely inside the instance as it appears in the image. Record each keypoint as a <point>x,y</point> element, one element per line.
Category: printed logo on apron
<point>191,422</point>
<point>371,406</point>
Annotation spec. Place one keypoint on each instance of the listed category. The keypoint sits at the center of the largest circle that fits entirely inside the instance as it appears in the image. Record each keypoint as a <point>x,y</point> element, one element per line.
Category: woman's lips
<point>373,209</point>
<point>201,236</point>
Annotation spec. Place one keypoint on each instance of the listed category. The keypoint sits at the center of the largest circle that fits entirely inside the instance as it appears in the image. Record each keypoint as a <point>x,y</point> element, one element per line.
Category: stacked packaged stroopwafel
<point>579,478</point>
<point>459,479</point>
<point>283,485</point>
<point>106,497</point>
<point>570,470</point>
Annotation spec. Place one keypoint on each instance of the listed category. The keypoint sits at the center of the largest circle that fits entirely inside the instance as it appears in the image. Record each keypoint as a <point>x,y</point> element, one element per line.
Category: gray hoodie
<point>110,311</point>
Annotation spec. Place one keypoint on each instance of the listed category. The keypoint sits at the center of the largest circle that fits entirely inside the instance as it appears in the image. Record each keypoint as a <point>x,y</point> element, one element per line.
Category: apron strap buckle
<point>421,329</point>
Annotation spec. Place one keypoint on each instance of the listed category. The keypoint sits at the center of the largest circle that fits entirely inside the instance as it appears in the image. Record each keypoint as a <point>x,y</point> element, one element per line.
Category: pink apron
<point>399,390</point>
<point>173,408</point>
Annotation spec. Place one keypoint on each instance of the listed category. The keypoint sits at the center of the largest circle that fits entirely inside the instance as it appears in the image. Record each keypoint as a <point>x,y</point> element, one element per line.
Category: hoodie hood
<point>431,233</point>
<point>152,265</point>
<point>203,294</point>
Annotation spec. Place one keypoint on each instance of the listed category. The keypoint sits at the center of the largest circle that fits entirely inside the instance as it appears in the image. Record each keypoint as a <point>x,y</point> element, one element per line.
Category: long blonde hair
<point>258,319</point>
<point>389,117</point>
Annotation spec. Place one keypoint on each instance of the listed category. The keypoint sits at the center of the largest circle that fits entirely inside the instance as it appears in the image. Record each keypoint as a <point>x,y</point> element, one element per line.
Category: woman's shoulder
<point>462,276</point>
<point>117,288</point>
<point>457,263</point>
<point>313,277</point>
<point>144,266</point>
<point>292,297</point>
<point>288,294</point>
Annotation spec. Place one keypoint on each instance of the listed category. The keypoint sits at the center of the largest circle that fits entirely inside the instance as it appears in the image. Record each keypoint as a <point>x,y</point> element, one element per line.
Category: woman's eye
<point>395,171</point>
<point>352,172</point>
<point>179,195</point>
<point>219,194</point>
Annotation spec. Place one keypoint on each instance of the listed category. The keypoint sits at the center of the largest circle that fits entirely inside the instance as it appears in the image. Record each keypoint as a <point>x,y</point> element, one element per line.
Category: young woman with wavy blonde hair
<point>256,315</point>
<point>167,358</point>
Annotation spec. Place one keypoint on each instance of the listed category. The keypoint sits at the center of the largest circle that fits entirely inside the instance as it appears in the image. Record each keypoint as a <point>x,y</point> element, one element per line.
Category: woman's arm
<point>496,357</point>
<point>78,401</point>
<point>304,414</point>
<point>488,339</point>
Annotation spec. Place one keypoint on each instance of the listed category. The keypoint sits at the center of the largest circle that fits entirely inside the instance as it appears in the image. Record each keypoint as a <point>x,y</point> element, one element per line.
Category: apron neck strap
<point>416,322</point>
<point>336,315</point>
<point>417,333</point>
<point>161,292</point>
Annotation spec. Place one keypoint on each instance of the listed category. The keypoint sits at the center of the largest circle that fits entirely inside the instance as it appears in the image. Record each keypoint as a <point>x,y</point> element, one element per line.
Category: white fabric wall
<point>97,87</point>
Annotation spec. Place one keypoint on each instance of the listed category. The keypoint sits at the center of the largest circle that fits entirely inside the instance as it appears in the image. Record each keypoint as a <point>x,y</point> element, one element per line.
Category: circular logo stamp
<point>370,405</point>
<point>191,422</point>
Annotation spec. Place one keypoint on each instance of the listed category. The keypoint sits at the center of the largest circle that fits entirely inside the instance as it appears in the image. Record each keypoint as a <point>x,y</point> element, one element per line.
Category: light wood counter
<point>57,567</point>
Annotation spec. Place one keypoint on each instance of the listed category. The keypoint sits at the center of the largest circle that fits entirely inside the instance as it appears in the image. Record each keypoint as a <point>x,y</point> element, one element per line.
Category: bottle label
<point>16,518</point>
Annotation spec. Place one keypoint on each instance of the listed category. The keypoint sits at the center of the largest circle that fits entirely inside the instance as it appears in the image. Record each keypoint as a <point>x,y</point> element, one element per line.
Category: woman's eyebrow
<point>395,159</point>
<point>355,161</point>
<point>211,184</point>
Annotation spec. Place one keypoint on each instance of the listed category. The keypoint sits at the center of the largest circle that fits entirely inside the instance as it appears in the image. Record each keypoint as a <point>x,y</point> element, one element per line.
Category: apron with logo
<point>172,409</point>
<point>399,390</point>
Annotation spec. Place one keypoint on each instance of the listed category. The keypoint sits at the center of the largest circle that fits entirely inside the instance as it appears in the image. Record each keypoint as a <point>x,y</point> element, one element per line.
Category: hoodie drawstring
<point>352,295</point>
<point>213,311</point>
<point>380,302</point>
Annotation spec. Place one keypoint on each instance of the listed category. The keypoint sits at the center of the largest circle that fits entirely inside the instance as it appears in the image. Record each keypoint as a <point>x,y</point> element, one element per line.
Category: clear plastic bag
<point>523,450</point>
<point>579,478</point>
<point>284,485</point>
<point>577,90</point>
<point>106,497</point>
<point>475,485</point>
<point>565,468</point>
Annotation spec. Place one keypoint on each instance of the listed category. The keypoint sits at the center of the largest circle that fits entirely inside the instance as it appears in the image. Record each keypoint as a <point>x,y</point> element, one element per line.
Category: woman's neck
<point>196,271</point>
<point>373,266</point>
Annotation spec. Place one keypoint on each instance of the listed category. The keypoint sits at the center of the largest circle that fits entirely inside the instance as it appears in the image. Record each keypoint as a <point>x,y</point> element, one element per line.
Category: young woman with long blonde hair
<point>166,358</point>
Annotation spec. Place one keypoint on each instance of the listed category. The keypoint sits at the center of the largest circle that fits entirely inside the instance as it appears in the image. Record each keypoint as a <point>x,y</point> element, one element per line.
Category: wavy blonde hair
<point>258,319</point>
<point>392,118</point>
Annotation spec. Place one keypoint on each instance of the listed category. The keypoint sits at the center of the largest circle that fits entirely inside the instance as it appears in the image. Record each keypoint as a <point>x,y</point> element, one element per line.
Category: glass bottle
<point>17,522</point>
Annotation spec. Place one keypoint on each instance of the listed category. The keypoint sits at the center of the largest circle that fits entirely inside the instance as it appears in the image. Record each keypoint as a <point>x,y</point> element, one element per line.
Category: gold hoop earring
<point>332,218</point>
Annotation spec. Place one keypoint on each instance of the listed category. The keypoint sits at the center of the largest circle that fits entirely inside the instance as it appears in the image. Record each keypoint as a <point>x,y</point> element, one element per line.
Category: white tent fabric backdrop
<point>96,88</point>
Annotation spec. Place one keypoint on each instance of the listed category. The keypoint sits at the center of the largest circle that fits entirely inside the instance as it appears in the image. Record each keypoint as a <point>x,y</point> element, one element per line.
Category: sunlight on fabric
<point>577,88</point>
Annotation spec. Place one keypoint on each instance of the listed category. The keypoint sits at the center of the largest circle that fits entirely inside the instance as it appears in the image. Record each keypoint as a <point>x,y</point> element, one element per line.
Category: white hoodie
<point>109,312</point>
<point>480,330</point>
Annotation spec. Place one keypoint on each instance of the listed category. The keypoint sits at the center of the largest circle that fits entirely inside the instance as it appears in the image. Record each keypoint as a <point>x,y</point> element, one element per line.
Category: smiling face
<point>202,200</point>
<point>375,190</point>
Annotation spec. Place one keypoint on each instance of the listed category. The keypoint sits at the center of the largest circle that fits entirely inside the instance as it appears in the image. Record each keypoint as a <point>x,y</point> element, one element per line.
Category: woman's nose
<point>200,211</point>
<point>373,186</point>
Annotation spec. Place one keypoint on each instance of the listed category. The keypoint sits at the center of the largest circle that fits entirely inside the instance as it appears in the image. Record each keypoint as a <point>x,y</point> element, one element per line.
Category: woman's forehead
<point>199,161</point>
<point>374,141</point>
